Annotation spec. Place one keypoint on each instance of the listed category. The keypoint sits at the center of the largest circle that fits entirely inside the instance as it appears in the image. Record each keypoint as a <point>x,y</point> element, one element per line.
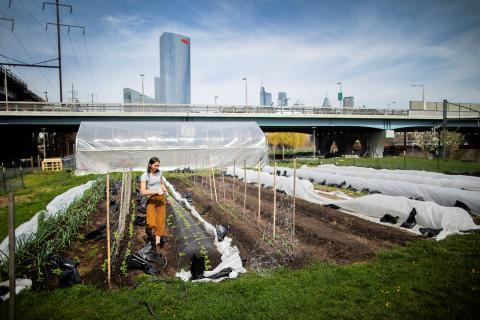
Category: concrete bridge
<point>24,120</point>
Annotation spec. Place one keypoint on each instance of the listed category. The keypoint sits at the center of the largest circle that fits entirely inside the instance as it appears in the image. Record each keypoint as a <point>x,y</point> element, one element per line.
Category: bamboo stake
<point>259,194</point>
<point>233,186</point>
<point>245,189</point>
<point>223,181</point>
<point>294,194</point>
<point>213,178</point>
<point>274,197</point>
<point>11,255</point>
<point>108,230</point>
<point>209,179</point>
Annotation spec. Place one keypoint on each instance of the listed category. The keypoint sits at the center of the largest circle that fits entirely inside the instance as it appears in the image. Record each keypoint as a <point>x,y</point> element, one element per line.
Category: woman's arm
<point>145,191</point>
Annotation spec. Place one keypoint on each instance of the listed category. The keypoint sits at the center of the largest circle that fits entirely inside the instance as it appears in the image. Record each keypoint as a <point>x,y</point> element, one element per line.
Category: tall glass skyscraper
<point>174,69</point>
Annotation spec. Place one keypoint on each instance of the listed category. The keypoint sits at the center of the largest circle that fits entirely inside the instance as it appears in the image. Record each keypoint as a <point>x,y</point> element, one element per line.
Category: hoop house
<point>112,146</point>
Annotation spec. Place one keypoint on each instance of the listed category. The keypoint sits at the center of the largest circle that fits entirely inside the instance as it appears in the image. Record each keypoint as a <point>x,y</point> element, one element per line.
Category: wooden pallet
<point>52,164</point>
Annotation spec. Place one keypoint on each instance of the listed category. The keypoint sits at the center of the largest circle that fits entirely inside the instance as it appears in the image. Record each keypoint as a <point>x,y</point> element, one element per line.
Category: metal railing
<point>48,107</point>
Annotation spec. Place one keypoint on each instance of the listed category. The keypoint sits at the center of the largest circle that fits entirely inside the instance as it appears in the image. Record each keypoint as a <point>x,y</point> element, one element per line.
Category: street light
<point>143,96</point>
<point>46,96</point>
<point>340,94</point>
<point>246,96</point>
<point>423,93</point>
<point>216,97</point>
<point>391,104</point>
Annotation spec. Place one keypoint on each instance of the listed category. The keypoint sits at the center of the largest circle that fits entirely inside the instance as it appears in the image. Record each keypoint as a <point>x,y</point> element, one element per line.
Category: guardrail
<point>48,107</point>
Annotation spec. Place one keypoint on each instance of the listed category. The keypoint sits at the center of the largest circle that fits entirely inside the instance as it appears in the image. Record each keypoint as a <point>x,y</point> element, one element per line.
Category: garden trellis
<point>103,147</point>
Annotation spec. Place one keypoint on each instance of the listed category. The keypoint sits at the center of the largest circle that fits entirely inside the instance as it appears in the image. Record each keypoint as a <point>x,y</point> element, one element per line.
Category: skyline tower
<point>175,86</point>
<point>265,97</point>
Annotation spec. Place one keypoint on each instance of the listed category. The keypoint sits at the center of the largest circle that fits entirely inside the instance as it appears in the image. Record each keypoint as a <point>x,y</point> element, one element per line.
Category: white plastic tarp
<point>59,204</point>
<point>412,176</point>
<point>230,255</point>
<point>445,196</point>
<point>429,214</point>
<point>112,146</point>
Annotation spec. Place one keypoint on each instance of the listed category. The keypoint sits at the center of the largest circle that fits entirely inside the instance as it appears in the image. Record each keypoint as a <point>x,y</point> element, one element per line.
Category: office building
<point>265,97</point>
<point>282,99</point>
<point>157,89</point>
<point>132,96</point>
<point>348,102</point>
<point>174,86</point>
<point>327,103</point>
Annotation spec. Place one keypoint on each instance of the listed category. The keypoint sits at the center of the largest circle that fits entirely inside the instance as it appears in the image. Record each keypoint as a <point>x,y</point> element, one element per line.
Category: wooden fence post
<point>108,230</point>
<point>259,194</point>
<point>294,194</point>
<point>11,254</point>
<point>274,196</point>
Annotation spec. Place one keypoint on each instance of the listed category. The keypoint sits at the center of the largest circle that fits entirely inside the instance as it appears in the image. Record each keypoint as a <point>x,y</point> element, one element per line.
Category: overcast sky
<point>377,49</point>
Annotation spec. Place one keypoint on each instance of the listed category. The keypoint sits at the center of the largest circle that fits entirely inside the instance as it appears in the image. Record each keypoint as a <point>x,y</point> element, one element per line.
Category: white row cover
<point>413,176</point>
<point>372,207</point>
<point>58,205</point>
<point>230,255</point>
<point>444,196</point>
<point>112,146</point>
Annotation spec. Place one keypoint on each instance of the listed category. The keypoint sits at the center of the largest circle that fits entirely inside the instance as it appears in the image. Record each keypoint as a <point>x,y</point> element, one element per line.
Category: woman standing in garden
<point>153,187</point>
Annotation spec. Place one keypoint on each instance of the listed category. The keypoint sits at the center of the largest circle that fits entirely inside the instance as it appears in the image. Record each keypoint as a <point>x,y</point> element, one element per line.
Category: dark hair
<point>150,162</point>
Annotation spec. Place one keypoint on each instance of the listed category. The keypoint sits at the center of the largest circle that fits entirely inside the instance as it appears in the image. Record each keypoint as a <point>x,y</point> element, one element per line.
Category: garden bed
<point>321,234</point>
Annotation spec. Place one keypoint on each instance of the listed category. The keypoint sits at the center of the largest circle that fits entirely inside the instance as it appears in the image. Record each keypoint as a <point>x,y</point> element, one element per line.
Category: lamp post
<point>340,94</point>
<point>423,93</point>
<point>143,96</point>
<point>246,96</point>
<point>216,97</point>
<point>391,104</point>
<point>46,96</point>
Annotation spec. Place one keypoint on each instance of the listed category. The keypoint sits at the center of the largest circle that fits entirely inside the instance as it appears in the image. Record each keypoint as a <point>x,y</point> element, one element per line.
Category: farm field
<point>338,266</point>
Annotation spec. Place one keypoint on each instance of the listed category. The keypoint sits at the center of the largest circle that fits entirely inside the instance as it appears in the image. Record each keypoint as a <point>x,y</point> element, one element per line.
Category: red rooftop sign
<point>185,41</point>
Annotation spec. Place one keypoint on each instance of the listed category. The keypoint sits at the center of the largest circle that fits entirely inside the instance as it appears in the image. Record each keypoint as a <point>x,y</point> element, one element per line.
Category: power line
<point>77,62</point>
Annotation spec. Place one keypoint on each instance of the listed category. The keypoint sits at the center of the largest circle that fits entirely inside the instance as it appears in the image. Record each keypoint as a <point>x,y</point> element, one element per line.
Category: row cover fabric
<point>413,176</point>
<point>112,146</point>
<point>444,196</point>
<point>371,207</point>
<point>230,254</point>
<point>58,205</point>
<point>20,285</point>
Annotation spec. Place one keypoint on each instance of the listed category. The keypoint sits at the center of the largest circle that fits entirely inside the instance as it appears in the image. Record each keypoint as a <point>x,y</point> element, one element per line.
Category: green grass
<point>40,189</point>
<point>425,280</point>
<point>409,163</point>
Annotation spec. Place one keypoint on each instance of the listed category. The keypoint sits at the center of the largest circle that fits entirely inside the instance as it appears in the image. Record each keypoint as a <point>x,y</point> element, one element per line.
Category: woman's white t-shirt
<point>152,181</point>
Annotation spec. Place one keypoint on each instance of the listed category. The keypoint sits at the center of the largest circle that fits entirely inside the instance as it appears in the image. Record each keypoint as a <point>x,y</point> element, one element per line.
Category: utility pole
<point>73,93</point>
<point>59,46</point>
<point>91,95</point>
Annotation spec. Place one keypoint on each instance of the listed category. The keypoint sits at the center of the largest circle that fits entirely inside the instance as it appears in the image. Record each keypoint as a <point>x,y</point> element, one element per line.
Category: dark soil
<point>321,234</point>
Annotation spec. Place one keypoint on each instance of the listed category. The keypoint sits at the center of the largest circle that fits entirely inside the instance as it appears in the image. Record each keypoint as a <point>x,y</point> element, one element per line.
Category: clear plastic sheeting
<point>230,255</point>
<point>371,207</point>
<point>112,146</point>
<point>445,196</point>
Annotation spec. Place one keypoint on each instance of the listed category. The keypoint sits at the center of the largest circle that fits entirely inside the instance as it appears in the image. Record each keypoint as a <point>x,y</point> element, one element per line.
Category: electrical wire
<point>78,63</point>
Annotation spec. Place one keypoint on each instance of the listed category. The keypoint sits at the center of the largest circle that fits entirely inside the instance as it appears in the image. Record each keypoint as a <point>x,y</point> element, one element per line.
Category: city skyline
<point>376,50</point>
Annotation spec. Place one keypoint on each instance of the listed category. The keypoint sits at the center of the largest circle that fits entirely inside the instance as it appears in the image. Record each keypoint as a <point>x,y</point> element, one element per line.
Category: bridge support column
<point>377,143</point>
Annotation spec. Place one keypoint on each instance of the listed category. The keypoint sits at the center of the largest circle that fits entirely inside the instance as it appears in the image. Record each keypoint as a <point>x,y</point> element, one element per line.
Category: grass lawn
<point>425,280</point>
<point>409,163</point>
<point>40,189</point>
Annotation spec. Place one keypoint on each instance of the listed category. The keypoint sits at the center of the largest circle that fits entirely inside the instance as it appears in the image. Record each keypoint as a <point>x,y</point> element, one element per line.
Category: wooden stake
<point>294,189</point>
<point>31,162</point>
<point>223,181</point>
<point>108,230</point>
<point>274,196</point>
<point>209,179</point>
<point>245,189</point>
<point>213,179</point>
<point>259,194</point>
<point>233,186</point>
<point>11,255</point>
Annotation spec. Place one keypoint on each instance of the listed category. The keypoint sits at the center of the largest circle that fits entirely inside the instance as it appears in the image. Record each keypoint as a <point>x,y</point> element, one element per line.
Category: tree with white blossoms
<point>430,141</point>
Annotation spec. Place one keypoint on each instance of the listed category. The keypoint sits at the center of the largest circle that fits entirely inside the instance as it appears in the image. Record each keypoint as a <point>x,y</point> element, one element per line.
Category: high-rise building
<point>133,96</point>
<point>157,89</point>
<point>174,69</point>
<point>282,99</point>
<point>265,97</point>
<point>348,102</point>
<point>326,102</point>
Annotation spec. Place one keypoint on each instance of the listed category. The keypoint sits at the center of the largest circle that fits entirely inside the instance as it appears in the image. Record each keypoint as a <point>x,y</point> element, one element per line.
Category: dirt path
<point>322,234</point>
